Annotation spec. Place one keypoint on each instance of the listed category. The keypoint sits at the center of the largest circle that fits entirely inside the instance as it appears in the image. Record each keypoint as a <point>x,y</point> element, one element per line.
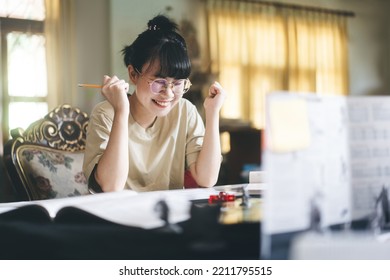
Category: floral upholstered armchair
<point>45,161</point>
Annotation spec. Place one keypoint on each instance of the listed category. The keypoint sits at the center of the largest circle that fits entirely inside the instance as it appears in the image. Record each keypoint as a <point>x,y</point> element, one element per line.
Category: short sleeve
<point>195,134</point>
<point>98,133</point>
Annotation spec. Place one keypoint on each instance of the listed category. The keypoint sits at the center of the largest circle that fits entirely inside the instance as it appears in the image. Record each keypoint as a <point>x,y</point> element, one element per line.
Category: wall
<point>92,50</point>
<point>369,51</point>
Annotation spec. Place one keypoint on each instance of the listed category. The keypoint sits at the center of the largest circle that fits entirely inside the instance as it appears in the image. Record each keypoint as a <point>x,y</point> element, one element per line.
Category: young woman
<point>147,140</point>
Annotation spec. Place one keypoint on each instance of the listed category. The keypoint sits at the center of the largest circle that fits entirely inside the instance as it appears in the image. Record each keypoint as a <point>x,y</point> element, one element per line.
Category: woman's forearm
<point>209,160</point>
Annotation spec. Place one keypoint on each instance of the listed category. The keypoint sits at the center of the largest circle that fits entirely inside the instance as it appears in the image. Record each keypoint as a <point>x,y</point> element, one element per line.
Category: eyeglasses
<point>178,87</point>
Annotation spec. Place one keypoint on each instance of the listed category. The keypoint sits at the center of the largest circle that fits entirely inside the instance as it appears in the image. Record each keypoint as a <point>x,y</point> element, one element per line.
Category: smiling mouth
<point>162,103</point>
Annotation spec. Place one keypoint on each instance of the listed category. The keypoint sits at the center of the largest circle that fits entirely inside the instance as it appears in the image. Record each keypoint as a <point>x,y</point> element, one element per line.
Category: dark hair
<point>160,42</point>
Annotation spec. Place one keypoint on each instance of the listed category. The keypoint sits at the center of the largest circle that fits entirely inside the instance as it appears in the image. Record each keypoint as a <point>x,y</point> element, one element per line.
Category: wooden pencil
<point>90,85</point>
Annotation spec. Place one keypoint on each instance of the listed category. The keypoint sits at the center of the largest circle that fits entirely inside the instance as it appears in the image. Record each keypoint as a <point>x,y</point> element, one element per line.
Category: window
<point>23,58</point>
<point>273,48</point>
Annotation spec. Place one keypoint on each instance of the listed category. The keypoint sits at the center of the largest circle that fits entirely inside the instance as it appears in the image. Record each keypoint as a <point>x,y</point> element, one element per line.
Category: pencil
<point>90,85</point>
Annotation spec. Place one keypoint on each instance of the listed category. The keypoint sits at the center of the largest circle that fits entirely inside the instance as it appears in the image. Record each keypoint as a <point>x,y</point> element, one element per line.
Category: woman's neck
<point>139,114</point>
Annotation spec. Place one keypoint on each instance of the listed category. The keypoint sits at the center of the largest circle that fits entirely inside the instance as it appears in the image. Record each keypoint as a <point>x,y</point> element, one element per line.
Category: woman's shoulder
<point>185,104</point>
<point>185,110</point>
<point>103,107</point>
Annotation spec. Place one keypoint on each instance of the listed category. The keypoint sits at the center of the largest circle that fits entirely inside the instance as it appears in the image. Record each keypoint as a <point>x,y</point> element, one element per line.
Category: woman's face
<point>156,103</point>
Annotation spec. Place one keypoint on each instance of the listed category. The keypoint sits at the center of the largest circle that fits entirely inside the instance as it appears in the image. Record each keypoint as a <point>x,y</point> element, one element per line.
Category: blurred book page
<point>314,179</point>
<point>370,151</point>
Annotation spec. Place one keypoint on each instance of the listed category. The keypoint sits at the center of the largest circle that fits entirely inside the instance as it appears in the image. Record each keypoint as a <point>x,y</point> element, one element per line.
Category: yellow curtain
<point>256,49</point>
<point>60,54</point>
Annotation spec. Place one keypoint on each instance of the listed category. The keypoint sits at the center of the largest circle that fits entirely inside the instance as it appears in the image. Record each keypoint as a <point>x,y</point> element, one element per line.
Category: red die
<point>221,197</point>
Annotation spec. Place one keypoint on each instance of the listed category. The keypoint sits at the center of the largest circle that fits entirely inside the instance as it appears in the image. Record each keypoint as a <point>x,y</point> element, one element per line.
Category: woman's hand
<point>115,91</point>
<point>215,99</point>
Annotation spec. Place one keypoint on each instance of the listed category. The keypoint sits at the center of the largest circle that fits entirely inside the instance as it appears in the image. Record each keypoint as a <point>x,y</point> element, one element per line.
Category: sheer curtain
<point>256,48</point>
<point>60,54</point>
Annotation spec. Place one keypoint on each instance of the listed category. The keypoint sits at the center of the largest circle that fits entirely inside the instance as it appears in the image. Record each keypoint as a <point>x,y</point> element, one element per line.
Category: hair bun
<point>162,23</point>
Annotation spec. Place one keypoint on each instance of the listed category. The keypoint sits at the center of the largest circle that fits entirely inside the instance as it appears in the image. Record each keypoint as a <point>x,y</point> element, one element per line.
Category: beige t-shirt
<point>159,155</point>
